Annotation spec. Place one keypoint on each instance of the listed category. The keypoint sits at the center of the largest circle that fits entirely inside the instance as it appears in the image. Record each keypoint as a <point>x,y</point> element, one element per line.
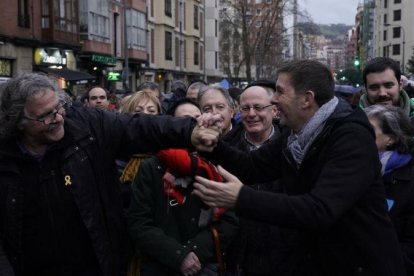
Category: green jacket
<point>165,234</point>
<point>406,103</point>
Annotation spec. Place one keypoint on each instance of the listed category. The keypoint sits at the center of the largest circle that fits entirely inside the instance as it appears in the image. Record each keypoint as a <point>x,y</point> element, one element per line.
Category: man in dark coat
<point>328,165</point>
<point>60,204</point>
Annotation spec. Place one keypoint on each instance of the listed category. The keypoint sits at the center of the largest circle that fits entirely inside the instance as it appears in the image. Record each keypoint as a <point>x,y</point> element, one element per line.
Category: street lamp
<point>403,42</point>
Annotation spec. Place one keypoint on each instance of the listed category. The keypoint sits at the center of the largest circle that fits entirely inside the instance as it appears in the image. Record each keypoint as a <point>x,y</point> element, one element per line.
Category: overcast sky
<point>331,11</point>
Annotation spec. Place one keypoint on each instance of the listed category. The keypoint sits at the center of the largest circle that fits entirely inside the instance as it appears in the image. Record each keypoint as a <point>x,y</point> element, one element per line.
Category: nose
<point>382,91</point>
<point>251,112</point>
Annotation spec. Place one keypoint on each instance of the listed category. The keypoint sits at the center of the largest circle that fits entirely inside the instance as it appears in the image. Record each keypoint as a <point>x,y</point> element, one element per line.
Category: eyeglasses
<point>51,116</point>
<point>257,108</point>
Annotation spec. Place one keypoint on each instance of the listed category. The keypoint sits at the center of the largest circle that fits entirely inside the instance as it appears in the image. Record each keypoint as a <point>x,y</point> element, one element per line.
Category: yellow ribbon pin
<point>68,180</point>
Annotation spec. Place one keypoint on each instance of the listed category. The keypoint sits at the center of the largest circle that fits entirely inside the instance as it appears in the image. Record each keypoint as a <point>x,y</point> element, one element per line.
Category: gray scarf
<point>298,144</point>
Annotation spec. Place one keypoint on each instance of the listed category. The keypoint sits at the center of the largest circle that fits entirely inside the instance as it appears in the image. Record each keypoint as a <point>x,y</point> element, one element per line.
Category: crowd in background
<point>90,188</point>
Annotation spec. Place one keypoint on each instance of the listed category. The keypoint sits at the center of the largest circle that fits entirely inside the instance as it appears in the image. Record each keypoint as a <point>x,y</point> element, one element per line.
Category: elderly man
<point>61,209</point>
<point>329,168</point>
<point>259,247</point>
<point>383,84</point>
<point>217,101</point>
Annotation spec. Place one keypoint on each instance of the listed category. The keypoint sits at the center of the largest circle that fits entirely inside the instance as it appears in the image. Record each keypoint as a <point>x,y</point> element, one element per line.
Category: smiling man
<point>60,204</point>
<point>328,166</point>
<point>257,112</point>
<point>382,78</point>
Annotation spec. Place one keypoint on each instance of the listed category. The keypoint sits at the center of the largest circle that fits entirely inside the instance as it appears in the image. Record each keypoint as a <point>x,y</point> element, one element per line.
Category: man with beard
<point>382,78</point>
<point>327,163</point>
<point>60,203</point>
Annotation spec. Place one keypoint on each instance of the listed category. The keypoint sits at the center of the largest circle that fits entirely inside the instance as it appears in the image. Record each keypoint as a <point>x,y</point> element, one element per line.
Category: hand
<point>205,139</point>
<point>218,194</point>
<point>190,265</point>
<point>209,119</point>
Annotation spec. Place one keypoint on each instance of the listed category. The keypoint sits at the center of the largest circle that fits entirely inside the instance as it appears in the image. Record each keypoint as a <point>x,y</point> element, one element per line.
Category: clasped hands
<point>206,133</point>
<point>215,194</point>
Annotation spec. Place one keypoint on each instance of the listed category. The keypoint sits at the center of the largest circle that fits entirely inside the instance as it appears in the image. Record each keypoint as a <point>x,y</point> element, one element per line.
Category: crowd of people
<point>282,177</point>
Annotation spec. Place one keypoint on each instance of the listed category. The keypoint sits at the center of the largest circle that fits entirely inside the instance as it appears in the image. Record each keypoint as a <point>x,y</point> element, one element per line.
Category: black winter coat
<point>399,187</point>
<point>336,199</point>
<point>98,138</point>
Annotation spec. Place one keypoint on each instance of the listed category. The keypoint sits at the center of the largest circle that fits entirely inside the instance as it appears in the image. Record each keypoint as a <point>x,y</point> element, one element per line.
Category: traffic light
<point>356,62</point>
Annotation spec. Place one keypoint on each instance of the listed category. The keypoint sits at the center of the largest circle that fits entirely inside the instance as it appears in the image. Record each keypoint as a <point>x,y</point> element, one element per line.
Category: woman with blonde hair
<point>141,102</point>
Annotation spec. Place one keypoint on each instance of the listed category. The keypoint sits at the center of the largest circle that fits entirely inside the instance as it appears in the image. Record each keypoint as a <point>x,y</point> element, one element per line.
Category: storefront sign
<point>103,59</point>
<point>47,56</point>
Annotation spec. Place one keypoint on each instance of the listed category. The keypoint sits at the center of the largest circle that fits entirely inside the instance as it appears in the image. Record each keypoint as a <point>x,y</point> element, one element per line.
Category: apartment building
<point>394,34</point>
<point>78,42</point>
<point>175,41</point>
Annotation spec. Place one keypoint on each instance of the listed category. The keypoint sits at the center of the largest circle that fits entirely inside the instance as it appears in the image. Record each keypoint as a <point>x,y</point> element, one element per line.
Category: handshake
<point>207,132</point>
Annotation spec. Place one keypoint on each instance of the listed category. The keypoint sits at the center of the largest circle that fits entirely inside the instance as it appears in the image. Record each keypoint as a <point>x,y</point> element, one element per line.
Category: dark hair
<point>394,122</point>
<point>380,64</point>
<point>235,93</point>
<point>148,85</point>
<point>96,86</point>
<point>310,75</point>
<point>171,110</point>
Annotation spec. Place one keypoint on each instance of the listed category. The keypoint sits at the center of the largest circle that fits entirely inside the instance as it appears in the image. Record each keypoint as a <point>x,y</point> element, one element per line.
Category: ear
<point>308,99</point>
<point>391,141</point>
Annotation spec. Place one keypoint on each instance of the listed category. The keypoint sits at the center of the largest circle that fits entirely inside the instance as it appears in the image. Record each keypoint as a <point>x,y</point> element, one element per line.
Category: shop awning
<point>67,74</point>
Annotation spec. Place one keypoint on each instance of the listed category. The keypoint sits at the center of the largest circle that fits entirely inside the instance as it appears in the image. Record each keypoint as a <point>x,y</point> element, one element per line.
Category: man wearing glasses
<point>253,250</point>
<point>60,205</point>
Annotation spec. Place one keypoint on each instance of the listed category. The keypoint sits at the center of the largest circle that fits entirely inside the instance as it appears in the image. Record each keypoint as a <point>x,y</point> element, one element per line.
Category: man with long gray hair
<point>60,204</point>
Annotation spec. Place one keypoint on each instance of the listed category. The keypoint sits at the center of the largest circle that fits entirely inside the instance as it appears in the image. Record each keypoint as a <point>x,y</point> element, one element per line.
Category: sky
<point>330,11</point>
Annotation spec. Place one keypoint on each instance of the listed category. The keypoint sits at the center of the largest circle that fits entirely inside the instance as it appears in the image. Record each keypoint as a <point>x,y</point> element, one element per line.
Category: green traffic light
<point>356,62</point>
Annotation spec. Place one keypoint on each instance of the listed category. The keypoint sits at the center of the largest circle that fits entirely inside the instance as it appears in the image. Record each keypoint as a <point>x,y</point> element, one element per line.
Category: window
<point>177,52</point>
<point>385,19</point>
<point>201,57</point>
<point>196,53</point>
<point>65,15</point>
<point>46,18</point>
<point>168,45</point>
<point>201,24</point>
<point>384,51</point>
<point>152,46</point>
<point>5,67</point>
<point>168,8</point>
<point>152,7</point>
<point>397,15</point>
<point>23,19</point>
<point>396,32</point>
<point>136,29</point>
<point>215,27</point>
<point>385,35</point>
<point>176,13</point>
<point>396,49</point>
<point>215,60</point>
<point>195,17</point>
<point>94,20</point>
<point>258,11</point>
<point>185,17</point>
<point>185,53</point>
<point>385,4</point>
<point>397,1</point>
